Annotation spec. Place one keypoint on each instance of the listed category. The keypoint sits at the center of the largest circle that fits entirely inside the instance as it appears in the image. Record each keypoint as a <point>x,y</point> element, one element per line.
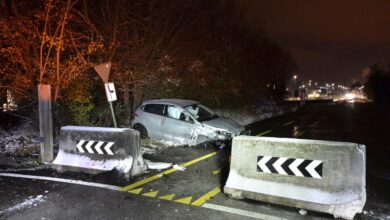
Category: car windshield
<point>200,112</point>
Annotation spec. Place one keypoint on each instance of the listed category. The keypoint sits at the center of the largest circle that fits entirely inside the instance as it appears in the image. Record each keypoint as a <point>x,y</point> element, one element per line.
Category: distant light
<point>295,76</point>
<point>349,96</point>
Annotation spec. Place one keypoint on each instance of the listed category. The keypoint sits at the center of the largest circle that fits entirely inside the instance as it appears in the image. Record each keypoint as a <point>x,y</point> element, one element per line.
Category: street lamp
<point>295,84</point>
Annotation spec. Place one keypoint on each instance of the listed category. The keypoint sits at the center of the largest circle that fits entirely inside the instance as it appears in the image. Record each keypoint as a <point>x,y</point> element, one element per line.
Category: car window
<point>176,113</point>
<point>157,109</point>
<point>201,112</point>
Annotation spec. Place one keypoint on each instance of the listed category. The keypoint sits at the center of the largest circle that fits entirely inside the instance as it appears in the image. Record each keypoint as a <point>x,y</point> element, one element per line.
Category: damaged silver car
<point>183,122</point>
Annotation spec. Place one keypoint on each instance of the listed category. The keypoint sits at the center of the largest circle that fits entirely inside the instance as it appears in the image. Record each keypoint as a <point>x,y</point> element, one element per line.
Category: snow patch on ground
<point>22,136</point>
<point>75,160</point>
<point>157,165</point>
<point>178,167</point>
<point>152,146</point>
<point>29,202</point>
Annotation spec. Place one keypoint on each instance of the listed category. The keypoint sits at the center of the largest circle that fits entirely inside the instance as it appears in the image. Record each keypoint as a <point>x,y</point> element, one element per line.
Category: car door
<point>153,118</point>
<point>178,125</point>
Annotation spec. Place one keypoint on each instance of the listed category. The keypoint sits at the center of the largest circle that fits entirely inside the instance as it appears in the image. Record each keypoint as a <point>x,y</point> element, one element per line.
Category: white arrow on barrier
<point>311,169</point>
<point>98,147</point>
<point>262,163</point>
<point>277,165</point>
<point>107,148</point>
<point>79,146</point>
<point>88,147</point>
<point>294,167</point>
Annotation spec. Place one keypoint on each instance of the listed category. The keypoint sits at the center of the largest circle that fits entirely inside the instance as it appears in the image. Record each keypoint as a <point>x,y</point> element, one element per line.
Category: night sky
<point>330,40</point>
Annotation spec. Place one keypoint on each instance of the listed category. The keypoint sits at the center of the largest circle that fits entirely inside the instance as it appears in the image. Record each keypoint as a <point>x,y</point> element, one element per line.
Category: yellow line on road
<point>218,171</point>
<point>189,163</point>
<point>287,123</point>
<point>264,133</point>
<point>166,172</point>
<point>203,199</point>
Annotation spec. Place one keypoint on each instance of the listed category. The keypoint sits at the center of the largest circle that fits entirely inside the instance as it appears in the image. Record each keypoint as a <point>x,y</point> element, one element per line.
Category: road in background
<point>196,192</point>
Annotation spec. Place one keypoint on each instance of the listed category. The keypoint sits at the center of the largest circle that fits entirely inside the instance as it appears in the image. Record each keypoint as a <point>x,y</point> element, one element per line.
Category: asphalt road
<point>179,194</point>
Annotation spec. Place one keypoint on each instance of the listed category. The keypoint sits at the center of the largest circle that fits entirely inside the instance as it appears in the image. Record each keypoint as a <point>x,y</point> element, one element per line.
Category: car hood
<point>226,124</point>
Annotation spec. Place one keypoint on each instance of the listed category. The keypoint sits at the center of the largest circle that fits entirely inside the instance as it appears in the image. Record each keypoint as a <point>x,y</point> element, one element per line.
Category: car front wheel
<point>142,130</point>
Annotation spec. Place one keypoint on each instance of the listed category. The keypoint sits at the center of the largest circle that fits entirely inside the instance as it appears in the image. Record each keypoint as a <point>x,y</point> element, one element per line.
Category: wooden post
<point>45,123</point>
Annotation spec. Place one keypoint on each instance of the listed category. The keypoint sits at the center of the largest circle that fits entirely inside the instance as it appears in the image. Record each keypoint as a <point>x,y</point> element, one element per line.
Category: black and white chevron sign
<point>95,147</point>
<point>290,166</point>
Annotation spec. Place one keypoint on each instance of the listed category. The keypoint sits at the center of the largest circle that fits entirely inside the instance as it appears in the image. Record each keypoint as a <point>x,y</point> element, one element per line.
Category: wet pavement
<point>177,194</point>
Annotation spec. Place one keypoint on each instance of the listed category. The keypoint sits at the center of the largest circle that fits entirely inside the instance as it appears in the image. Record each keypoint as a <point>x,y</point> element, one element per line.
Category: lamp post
<point>295,84</point>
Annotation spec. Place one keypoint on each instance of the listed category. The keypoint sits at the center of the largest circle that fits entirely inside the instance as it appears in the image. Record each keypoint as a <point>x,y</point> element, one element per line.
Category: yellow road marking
<point>264,133</point>
<point>166,172</point>
<point>186,200</point>
<point>206,197</point>
<point>287,123</point>
<point>218,171</point>
<point>167,197</point>
<point>189,163</point>
<point>135,191</point>
<point>314,124</point>
<point>151,194</point>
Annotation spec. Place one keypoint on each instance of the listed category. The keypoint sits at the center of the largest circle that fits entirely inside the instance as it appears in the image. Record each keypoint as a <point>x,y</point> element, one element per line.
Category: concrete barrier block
<point>315,175</point>
<point>96,149</point>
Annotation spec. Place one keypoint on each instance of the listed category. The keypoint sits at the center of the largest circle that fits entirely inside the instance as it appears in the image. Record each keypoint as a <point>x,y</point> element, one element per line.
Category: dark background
<point>330,40</point>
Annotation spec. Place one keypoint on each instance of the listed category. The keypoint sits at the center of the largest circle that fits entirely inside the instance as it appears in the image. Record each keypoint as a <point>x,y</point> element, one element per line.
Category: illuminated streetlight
<point>295,84</point>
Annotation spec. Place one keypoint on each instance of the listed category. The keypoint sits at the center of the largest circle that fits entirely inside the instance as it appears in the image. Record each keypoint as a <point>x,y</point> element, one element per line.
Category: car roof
<point>179,102</point>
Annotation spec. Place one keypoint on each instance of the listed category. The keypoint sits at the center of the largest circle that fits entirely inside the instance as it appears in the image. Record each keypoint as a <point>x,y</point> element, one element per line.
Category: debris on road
<point>157,165</point>
<point>302,212</point>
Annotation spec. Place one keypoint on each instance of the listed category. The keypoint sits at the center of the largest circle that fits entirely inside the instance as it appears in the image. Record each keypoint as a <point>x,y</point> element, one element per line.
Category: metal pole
<point>113,115</point>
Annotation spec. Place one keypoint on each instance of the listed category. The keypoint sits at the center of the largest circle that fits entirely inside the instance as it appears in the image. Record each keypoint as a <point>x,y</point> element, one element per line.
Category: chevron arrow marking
<point>262,163</point>
<point>79,146</point>
<point>311,169</point>
<point>294,167</point>
<point>278,165</point>
<point>290,166</point>
<point>92,147</point>
<point>88,147</point>
<point>107,148</point>
<point>97,147</point>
